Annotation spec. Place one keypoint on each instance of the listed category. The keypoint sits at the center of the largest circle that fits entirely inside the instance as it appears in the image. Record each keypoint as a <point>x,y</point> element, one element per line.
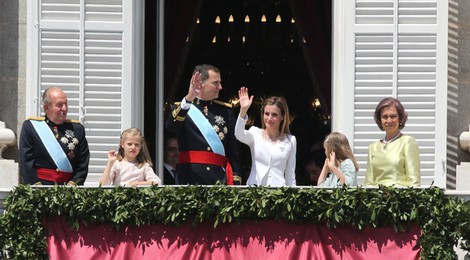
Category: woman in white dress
<point>272,147</point>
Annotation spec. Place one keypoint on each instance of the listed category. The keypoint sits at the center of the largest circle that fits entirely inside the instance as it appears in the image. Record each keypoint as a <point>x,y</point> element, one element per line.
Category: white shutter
<point>396,48</point>
<point>85,47</point>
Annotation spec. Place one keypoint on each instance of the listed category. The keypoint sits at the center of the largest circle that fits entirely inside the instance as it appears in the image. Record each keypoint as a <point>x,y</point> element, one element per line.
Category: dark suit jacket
<point>167,177</point>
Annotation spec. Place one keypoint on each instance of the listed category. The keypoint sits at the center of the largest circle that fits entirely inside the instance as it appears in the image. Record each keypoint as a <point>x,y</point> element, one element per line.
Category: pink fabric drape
<point>263,240</point>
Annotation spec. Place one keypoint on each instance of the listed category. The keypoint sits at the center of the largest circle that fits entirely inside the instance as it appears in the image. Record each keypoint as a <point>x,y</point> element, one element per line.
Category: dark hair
<point>281,103</point>
<point>204,70</point>
<point>167,139</point>
<point>390,102</point>
<point>316,157</point>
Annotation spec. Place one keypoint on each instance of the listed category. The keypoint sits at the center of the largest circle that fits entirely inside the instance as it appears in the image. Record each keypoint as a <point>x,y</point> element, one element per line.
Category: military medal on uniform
<point>213,138</point>
<point>56,132</point>
<point>52,146</point>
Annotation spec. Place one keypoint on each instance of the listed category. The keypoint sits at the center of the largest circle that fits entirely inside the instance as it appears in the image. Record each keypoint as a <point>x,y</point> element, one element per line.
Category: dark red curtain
<point>180,19</point>
<point>313,20</point>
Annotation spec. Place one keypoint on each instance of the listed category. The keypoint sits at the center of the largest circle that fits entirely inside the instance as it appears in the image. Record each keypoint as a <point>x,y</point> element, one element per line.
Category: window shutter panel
<point>85,47</point>
<point>398,52</point>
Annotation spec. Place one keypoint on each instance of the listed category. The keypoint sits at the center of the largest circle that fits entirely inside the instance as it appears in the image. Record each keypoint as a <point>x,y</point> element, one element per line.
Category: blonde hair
<point>144,154</point>
<point>338,143</point>
<point>281,103</point>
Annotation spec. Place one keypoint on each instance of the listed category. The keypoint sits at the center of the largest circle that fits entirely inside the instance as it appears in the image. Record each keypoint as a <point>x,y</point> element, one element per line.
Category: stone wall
<point>12,66</point>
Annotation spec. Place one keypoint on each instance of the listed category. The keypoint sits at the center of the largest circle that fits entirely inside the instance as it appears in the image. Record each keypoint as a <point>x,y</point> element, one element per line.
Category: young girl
<point>340,166</point>
<point>131,166</point>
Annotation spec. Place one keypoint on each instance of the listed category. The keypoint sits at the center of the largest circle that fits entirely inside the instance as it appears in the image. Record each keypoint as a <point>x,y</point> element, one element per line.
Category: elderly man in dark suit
<point>53,149</point>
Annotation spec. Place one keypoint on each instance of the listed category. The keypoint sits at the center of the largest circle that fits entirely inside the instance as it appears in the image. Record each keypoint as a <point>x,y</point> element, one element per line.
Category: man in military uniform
<point>53,150</point>
<point>205,131</point>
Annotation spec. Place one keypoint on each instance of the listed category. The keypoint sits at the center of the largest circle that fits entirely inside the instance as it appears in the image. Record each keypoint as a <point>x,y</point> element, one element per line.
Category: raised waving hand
<point>195,86</point>
<point>245,101</point>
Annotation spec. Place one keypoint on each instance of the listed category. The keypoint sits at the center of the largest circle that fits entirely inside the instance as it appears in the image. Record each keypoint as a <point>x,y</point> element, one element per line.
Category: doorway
<point>273,47</point>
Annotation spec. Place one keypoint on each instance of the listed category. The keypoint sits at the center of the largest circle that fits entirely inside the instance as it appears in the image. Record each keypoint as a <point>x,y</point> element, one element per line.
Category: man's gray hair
<point>46,99</point>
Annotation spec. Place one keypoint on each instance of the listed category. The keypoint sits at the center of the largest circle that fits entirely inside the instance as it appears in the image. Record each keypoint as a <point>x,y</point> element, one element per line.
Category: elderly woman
<point>393,160</point>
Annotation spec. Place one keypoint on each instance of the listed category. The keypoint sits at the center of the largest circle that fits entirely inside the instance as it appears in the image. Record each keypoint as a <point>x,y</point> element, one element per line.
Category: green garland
<point>443,219</point>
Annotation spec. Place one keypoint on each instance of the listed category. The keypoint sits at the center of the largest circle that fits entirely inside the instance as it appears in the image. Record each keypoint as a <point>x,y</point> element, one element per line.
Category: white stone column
<point>464,141</point>
<point>462,178</point>
<point>9,174</point>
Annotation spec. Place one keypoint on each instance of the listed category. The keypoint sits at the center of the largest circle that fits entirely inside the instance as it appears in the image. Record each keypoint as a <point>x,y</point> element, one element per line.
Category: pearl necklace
<point>391,140</point>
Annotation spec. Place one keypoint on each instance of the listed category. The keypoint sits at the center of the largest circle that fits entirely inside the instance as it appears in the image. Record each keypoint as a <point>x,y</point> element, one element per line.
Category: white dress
<point>273,164</point>
<point>123,173</point>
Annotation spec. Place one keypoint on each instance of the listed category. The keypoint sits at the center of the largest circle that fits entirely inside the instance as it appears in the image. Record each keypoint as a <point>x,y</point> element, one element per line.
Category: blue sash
<point>52,146</point>
<point>206,129</point>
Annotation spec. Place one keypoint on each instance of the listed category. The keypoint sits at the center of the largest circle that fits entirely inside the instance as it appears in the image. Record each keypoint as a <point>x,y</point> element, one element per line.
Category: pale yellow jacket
<point>396,163</point>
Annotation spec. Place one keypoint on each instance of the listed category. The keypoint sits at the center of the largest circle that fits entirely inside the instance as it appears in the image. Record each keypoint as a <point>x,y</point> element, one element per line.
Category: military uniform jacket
<point>33,154</point>
<point>191,139</point>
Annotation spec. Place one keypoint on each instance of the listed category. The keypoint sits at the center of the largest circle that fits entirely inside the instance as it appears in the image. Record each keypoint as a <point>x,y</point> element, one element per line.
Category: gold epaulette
<point>36,118</point>
<point>176,116</point>
<point>72,121</point>
<point>225,104</point>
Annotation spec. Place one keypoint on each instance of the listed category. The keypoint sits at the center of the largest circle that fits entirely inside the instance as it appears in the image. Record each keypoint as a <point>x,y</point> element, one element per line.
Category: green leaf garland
<point>444,220</point>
